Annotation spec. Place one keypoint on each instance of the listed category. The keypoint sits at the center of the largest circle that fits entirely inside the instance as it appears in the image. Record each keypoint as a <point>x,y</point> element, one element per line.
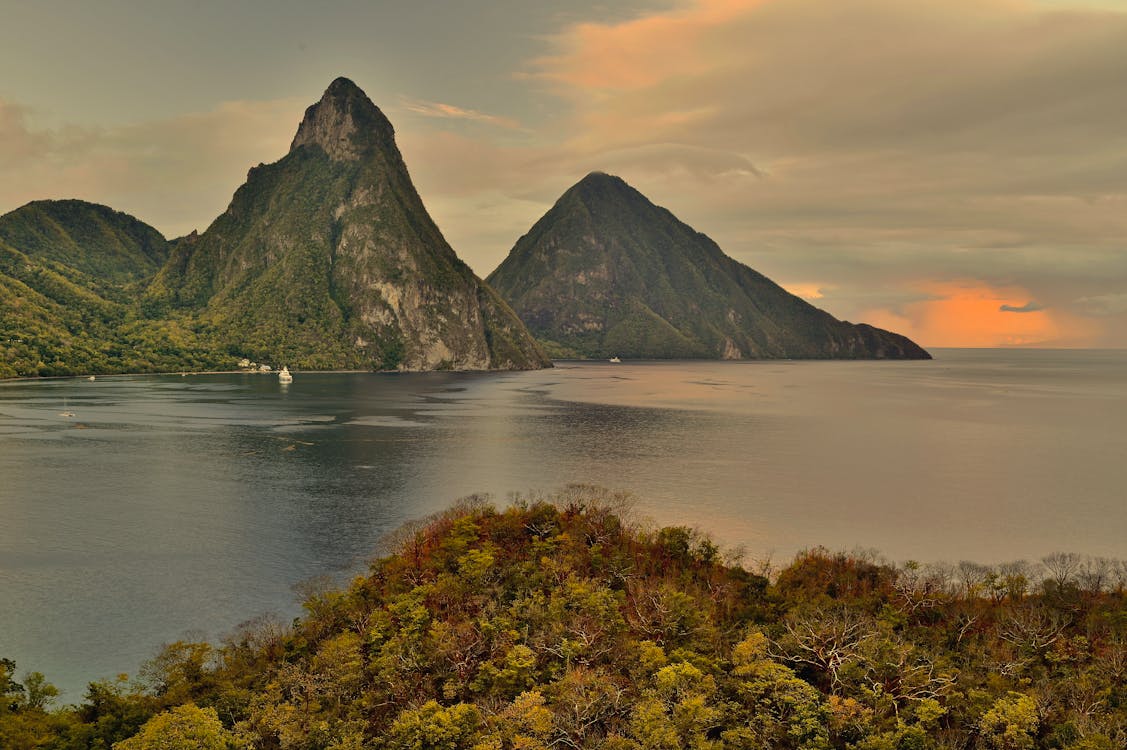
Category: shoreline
<point>560,360</point>
<point>185,373</point>
<point>171,373</point>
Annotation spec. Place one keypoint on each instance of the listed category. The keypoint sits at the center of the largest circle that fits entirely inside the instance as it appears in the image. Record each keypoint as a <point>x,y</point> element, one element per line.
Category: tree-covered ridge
<point>70,275</point>
<point>95,240</point>
<point>605,272</point>
<point>58,320</point>
<point>561,624</point>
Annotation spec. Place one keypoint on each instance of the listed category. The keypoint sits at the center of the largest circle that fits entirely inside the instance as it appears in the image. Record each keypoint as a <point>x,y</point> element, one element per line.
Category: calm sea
<point>171,506</point>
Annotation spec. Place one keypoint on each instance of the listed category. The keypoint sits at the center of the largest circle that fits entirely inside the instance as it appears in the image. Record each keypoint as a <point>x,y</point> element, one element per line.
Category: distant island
<point>327,259</point>
<point>561,622</point>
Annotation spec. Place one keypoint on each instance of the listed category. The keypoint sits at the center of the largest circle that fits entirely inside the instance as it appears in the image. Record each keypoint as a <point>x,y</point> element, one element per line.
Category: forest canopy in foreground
<point>562,623</point>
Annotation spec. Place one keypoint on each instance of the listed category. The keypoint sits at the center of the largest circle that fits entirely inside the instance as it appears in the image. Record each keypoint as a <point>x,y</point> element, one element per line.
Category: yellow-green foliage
<point>1011,723</point>
<point>182,728</point>
<point>560,623</point>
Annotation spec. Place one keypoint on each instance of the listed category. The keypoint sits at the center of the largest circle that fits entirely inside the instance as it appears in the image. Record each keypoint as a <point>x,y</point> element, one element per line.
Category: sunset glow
<point>970,314</point>
<point>870,151</point>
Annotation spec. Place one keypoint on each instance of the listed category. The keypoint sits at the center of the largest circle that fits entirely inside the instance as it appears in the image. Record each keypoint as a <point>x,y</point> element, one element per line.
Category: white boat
<point>284,375</point>
<point>66,412</point>
<point>616,360</point>
<point>91,378</point>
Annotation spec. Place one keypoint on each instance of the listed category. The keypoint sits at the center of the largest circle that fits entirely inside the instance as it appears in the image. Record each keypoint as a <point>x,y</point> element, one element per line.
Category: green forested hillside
<point>68,297</point>
<point>563,624</point>
<point>606,272</point>
<point>103,244</point>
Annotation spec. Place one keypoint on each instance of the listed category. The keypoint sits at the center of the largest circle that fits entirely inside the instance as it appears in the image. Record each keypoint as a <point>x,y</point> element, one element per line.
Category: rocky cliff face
<point>344,124</point>
<point>605,272</point>
<point>328,258</point>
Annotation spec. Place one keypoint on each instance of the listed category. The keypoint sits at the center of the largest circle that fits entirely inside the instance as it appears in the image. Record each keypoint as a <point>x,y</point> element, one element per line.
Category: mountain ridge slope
<point>605,272</point>
<point>89,237</point>
<point>68,296</point>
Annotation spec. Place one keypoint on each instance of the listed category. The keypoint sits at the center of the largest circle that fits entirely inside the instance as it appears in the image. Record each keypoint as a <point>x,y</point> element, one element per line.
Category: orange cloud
<point>970,314</point>
<point>642,52</point>
<point>176,173</point>
<point>806,290</point>
<point>454,112</point>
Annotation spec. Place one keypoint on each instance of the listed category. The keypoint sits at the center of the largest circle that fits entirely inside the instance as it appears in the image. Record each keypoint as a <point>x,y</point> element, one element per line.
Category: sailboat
<point>66,412</point>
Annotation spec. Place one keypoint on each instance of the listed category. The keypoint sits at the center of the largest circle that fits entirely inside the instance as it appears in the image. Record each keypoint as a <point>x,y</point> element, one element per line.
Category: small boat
<point>91,378</point>
<point>66,412</point>
<point>284,375</point>
<point>616,360</point>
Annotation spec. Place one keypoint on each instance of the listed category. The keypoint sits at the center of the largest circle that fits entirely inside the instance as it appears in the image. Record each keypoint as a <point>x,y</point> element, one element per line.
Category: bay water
<point>169,506</point>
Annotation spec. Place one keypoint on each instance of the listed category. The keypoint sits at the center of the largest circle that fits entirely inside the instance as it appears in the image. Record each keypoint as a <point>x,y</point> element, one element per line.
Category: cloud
<point>176,174</point>
<point>969,313</point>
<point>640,52</point>
<point>808,291</point>
<point>894,144</point>
<point>986,77</point>
<point>19,145</point>
<point>890,157</point>
<point>1104,304</point>
<point>1028,307</point>
<point>452,112</point>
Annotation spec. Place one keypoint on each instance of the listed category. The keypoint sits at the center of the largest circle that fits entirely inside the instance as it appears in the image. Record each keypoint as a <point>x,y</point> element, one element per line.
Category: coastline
<point>944,351</point>
<point>176,373</point>
<point>185,373</point>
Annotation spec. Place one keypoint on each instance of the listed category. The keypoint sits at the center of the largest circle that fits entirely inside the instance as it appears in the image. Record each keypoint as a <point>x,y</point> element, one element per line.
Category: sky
<point>954,170</point>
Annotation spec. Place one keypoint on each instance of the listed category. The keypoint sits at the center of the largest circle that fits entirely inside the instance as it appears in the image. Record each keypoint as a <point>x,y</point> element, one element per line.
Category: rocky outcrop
<point>344,124</point>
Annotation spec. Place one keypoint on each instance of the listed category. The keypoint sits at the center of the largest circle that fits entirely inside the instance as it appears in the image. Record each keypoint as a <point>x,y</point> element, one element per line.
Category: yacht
<point>284,375</point>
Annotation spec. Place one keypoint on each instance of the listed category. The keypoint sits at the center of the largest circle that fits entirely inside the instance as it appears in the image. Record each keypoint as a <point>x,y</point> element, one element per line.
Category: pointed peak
<point>344,123</point>
<point>600,187</point>
<point>600,176</point>
<point>342,86</point>
<point>601,179</point>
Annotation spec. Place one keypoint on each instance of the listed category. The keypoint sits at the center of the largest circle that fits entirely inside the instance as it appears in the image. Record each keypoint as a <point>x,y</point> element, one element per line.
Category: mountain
<point>96,240</point>
<point>606,272</point>
<point>50,314</point>
<point>70,274</point>
<point>324,259</point>
<point>66,268</point>
<point>327,258</point>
